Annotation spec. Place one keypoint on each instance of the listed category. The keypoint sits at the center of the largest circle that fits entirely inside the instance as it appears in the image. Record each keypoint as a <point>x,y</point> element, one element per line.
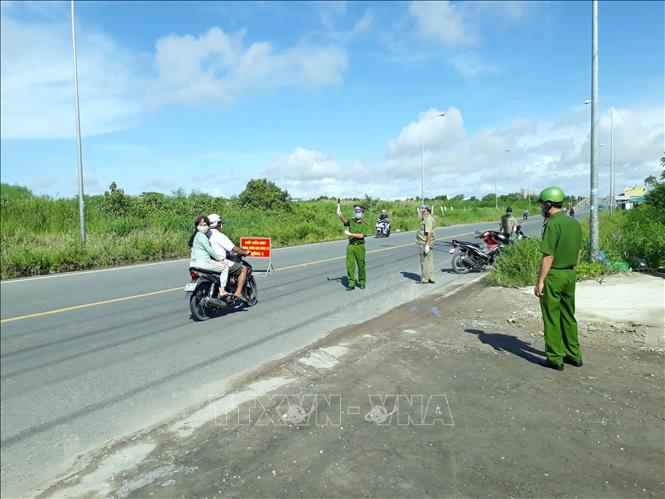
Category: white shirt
<point>220,243</point>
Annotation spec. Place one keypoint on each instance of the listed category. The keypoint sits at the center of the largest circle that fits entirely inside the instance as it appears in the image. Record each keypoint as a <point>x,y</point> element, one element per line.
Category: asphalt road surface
<point>91,356</point>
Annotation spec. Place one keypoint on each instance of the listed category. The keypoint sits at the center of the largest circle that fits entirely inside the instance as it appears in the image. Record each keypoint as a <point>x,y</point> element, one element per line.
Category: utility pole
<point>78,133</point>
<point>593,198</point>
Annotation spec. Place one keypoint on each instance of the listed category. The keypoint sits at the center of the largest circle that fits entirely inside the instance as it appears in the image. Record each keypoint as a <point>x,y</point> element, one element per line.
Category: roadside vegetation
<point>625,236</point>
<point>41,235</point>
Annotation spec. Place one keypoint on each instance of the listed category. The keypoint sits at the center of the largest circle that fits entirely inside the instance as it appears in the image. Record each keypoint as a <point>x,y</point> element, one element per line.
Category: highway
<point>91,356</point>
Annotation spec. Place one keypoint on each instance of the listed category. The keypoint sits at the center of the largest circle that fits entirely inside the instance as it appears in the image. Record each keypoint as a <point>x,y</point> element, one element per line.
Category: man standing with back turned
<point>561,246</point>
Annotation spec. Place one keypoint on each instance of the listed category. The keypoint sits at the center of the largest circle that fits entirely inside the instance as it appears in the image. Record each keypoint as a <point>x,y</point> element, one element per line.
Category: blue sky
<point>328,98</point>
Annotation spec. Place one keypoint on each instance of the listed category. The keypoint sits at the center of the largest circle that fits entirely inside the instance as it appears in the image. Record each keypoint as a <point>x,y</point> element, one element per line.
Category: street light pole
<point>612,183</point>
<point>422,156</point>
<point>593,197</point>
<point>78,132</point>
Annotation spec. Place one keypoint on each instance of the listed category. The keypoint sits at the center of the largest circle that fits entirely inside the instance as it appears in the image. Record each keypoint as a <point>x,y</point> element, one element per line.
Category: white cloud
<point>469,65</point>
<point>456,161</point>
<point>218,67</point>
<point>38,87</point>
<point>439,133</point>
<point>444,22</point>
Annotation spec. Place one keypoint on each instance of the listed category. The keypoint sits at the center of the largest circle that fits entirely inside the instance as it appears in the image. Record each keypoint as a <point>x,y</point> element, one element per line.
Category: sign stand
<point>260,247</point>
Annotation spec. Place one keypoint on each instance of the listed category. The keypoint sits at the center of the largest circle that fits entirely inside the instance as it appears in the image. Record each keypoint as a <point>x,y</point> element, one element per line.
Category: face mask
<point>358,215</point>
<point>544,211</point>
<point>202,228</point>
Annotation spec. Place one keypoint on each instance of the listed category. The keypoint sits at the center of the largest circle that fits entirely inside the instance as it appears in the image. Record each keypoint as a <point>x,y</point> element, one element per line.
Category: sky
<point>329,98</point>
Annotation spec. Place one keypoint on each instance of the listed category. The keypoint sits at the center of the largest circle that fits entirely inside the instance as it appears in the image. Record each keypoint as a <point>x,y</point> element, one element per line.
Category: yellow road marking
<point>143,295</point>
<point>88,305</point>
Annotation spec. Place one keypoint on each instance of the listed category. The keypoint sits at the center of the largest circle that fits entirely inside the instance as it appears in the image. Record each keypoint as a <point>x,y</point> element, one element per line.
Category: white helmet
<point>383,211</point>
<point>215,220</point>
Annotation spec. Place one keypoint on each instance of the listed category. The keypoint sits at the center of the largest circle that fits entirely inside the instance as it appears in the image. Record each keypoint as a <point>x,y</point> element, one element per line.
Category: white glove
<point>426,248</point>
<point>347,233</point>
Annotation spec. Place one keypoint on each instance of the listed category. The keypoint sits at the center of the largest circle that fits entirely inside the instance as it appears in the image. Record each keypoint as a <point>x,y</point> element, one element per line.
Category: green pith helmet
<point>552,194</point>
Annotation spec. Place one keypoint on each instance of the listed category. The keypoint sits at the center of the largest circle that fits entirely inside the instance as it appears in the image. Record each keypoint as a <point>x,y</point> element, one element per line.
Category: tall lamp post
<point>78,133</point>
<point>496,197</point>
<point>593,194</point>
<point>422,156</point>
<point>612,184</point>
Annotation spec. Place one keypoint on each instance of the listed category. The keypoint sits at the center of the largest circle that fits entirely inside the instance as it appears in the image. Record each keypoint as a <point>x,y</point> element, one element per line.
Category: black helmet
<point>509,210</point>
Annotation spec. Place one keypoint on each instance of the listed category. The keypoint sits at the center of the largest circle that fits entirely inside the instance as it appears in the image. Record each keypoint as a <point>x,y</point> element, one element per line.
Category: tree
<point>265,195</point>
<point>651,181</point>
<point>115,201</point>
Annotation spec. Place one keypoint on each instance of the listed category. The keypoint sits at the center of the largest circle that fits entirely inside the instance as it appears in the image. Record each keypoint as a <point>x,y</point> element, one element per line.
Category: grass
<point>40,235</point>
<point>622,236</point>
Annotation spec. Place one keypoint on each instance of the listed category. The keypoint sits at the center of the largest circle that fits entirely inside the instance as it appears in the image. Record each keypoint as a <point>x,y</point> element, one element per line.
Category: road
<point>92,356</point>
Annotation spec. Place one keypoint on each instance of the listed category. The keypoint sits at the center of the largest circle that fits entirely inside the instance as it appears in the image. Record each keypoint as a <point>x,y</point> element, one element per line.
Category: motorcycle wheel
<point>195,307</point>
<point>458,263</point>
<point>251,292</point>
<point>378,232</point>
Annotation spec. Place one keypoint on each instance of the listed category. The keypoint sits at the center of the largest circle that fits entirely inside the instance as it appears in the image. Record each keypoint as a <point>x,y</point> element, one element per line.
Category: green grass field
<point>41,235</point>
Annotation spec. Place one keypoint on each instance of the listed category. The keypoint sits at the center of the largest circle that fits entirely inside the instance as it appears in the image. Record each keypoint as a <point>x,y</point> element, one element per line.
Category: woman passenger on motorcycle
<point>203,256</point>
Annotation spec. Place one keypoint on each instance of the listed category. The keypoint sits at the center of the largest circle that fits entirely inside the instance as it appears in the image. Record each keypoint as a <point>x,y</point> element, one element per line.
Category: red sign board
<point>259,246</point>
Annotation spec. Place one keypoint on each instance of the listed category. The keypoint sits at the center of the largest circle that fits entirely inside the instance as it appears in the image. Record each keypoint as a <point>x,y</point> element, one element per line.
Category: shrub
<point>518,265</point>
<point>265,195</point>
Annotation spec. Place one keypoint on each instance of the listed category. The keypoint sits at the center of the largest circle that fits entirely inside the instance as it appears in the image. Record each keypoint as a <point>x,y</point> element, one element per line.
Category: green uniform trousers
<point>426,263</point>
<point>355,255</point>
<point>558,307</point>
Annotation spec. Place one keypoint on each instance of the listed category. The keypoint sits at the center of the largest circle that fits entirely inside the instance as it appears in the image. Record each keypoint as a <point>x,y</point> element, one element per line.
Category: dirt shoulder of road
<point>442,396</point>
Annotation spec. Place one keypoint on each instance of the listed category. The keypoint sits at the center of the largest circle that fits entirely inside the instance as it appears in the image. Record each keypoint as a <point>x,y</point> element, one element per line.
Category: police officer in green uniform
<point>355,229</point>
<point>561,246</point>
<point>425,238</point>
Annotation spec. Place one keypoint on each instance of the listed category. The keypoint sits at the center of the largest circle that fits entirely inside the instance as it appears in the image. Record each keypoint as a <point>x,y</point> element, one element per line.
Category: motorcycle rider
<point>203,256</point>
<point>508,222</point>
<point>384,222</point>
<point>223,246</point>
<point>383,217</point>
<point>525,214</point>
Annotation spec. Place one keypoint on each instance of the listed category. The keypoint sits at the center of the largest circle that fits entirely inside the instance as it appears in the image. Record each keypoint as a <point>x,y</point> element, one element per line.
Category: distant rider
<point>525,214</point>
<point>223,245</point>
<point>383,217</point>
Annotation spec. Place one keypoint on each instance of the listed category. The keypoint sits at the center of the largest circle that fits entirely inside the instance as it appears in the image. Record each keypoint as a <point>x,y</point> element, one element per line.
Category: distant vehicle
<point>203,289</point>
<point>383,228</point>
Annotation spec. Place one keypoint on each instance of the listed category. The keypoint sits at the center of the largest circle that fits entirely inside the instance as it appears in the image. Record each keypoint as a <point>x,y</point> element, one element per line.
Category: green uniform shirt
<point>426,226</point>
<point>562,237</point>
<point>356,227</point>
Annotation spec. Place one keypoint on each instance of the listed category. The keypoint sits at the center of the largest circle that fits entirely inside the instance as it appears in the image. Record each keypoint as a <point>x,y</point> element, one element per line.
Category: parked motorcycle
<point>203,291</point>
<point>383,228</point>
<point>468,256</point>
<point>472,256</point>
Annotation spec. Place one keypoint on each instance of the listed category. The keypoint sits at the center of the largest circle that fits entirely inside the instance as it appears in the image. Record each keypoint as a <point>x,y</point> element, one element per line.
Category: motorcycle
<point>203,289</point>
<point>382,228</point>
<point>472,256</point>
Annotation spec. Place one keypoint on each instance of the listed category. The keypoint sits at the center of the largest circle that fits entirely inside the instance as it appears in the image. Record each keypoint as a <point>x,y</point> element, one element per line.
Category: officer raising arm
<point>561,248</point>
<point>355,251</point>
